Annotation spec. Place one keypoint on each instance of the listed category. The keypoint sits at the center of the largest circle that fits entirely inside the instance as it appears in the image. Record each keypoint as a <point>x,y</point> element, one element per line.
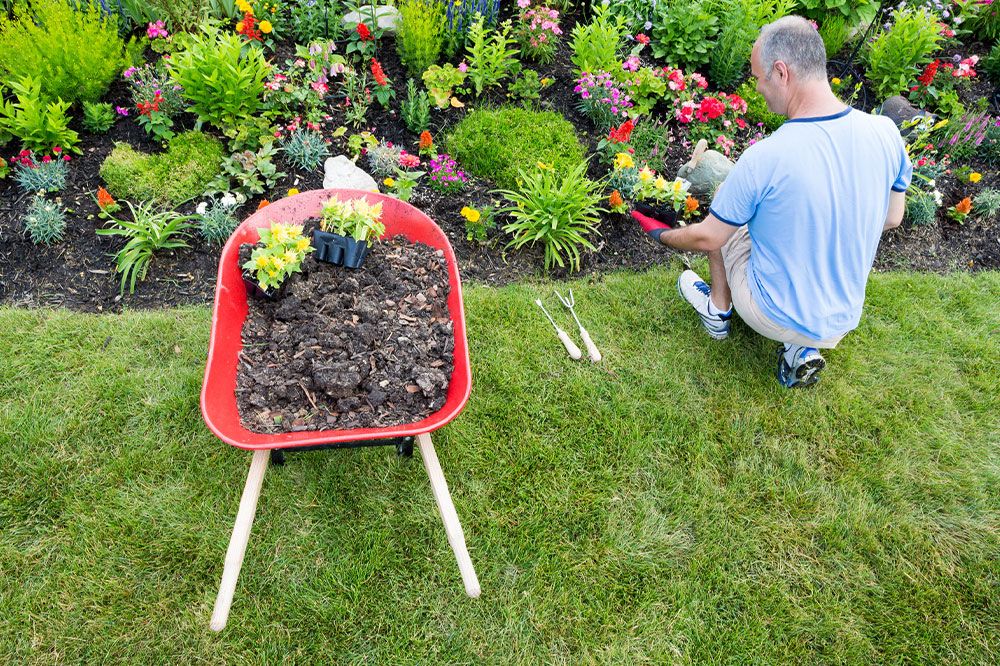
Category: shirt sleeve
<point>905,174</point>
<point>736,200</point>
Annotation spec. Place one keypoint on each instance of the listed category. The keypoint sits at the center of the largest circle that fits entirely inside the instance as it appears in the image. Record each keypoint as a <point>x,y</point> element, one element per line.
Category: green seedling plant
<point>355,218</point>
<point>440,81</point>
<point>149,230</point>
<point>490,60</point>
<point>280,253</point>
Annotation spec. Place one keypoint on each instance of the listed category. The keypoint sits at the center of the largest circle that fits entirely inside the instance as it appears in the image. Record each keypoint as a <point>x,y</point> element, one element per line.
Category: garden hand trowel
<point>574,351</point>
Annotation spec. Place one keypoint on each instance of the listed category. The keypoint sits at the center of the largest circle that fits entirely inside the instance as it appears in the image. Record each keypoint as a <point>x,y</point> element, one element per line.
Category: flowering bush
<point>936,86</point>
<point>384,92</point>
<point>156,98</point>
<point>283,247</point>
<point>47,174</point>
<point>537,31</point>
<point>445,176</point>
<point>601,99</point>
<point>714,118</point>
<point>302,86</point>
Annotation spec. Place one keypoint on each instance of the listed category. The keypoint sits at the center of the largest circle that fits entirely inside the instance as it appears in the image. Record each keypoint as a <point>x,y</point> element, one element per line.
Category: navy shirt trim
<point>818,119</point>
<point>722,219</point>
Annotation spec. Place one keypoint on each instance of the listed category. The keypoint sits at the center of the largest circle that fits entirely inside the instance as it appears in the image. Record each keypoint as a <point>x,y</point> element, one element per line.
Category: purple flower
<point>121,110</point>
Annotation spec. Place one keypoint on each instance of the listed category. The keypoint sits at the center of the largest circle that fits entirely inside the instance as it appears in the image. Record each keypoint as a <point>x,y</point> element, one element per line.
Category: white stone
<point>341,172</point>
<point>386,17</point>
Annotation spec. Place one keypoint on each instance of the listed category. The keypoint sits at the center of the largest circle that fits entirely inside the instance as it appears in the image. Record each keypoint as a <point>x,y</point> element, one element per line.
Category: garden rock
<point>341,172</point>
<point>900,110</point>
<point>386,17</point>
<point>705,170</point>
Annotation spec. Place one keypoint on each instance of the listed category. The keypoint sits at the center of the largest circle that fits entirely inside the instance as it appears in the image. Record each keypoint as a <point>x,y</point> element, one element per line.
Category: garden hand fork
<point>592,350</point>
<point>574,351</point>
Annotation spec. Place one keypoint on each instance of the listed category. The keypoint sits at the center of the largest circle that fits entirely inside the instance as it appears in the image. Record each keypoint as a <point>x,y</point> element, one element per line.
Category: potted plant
<point>278,254</point>
<point>345,228</point>
<point>659,198</point>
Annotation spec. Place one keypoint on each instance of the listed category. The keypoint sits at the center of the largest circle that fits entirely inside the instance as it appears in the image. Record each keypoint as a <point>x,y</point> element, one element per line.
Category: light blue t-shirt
<point>815,195</point>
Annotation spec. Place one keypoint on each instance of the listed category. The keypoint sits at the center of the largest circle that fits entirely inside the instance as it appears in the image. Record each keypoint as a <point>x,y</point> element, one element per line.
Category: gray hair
<point>794,41</point>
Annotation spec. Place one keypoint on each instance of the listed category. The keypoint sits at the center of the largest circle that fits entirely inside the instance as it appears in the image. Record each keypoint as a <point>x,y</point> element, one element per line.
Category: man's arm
<point>705,236</point>
<point>897,206</point>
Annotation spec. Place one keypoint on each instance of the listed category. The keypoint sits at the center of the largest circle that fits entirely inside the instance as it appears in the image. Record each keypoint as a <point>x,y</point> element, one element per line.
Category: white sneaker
<point>798,366</point>
<point>694,290</point>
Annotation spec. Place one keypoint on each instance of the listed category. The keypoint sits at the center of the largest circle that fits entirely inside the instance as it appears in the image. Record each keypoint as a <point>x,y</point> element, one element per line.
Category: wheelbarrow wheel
<point>277,457</point>
<point>404,447</point>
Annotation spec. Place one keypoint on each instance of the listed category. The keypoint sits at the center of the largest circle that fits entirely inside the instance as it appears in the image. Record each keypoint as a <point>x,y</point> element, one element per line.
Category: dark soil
<point>78,272</point>
<point>341,348</point>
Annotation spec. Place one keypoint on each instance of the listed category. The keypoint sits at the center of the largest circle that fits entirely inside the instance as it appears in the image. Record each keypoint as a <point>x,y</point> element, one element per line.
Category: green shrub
<point>896,55</point>
<point>222,80</point>
<point>74,53</point>
<point>98,117</point>
<point>921,208</point>
<point>853,11</point>
<point>595,45</point>
<point>181,173</point>
<point>496,144</point>
<point>416,109</point>
<point>987,204</point>
<point>757,111</point>
<point>312,20</point>
<point>492,59</point>
<point>560,212</point>
<point>991,64</point>
<point>40,124</point>
<point>45,221</point>
<point>420,35</point>
<point>684,33</point>
<point>835,31</point>
<point>305,149</point>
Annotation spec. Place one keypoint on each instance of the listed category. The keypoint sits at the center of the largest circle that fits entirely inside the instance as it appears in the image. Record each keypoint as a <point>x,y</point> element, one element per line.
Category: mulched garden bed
<point>77,273</point>
<point>342,348</point>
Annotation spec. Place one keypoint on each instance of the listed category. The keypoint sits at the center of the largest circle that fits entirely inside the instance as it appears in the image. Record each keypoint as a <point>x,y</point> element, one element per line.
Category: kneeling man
<point>792,232</point>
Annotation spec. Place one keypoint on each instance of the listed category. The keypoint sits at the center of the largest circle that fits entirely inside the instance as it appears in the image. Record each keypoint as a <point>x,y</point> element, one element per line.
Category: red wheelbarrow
<point>218,396</point>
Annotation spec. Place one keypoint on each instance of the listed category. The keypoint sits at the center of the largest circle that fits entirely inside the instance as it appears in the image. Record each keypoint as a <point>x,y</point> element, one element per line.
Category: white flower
<point>228,200</point>
<point>202,207</point>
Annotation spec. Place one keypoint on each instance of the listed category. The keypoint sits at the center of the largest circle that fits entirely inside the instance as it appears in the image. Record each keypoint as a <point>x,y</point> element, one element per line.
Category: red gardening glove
<point>652,227</point>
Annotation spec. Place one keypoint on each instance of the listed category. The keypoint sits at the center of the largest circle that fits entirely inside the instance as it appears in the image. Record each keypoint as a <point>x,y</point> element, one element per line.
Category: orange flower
<point>263,203</point>
<point>104,199</point>
<point>690,205</point>
<point>615,200</point>
<point>964,206</point>
<point>426,140</point>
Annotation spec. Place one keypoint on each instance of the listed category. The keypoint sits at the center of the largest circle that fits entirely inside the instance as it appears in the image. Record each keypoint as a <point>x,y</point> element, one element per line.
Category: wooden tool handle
<point>592,350</point>
<point>574,351</point>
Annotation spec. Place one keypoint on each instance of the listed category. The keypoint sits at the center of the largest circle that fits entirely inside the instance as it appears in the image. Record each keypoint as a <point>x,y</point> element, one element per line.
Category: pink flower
<point>523,3</point>
<point>462,67</point>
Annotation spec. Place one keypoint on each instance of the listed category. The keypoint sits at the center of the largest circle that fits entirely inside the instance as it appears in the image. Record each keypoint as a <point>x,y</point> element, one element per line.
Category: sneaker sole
<point>807,373</point>
<point>714,336</point>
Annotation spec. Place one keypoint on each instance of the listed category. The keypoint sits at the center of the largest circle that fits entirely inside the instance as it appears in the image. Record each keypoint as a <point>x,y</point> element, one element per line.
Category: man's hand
<point>650,226</point>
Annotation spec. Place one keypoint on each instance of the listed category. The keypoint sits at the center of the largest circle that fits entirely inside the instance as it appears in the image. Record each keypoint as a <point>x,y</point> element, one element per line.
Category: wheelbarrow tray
<point>218,395</point>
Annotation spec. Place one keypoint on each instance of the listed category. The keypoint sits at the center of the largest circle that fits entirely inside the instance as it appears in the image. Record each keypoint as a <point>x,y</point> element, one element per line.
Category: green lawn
<point>670,505</point>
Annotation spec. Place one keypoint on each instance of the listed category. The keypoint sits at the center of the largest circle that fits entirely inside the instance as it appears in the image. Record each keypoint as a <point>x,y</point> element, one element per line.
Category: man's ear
<point>782,69</point>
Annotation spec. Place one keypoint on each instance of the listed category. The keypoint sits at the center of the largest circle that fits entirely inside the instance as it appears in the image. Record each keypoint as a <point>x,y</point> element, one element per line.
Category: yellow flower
<point>471,214</point>
<point>678,184</point>
<point>279,233</point>
<point>302,244</point>
<point>261,262</point>
<point>389,182</point>
<point>278,263</point>
<point>624,161</point>
<point>244,6</point>
<point>293,191</point>
<point>239,27</point>
<point>940,124</point>
<point>265,27</point>
<point>546,82</point>
<point>835,81</point>
<point>543,165</point>
<point>661,183</point>
<point>975,177</point>
<point>646,174</point>
<point>289,257</point>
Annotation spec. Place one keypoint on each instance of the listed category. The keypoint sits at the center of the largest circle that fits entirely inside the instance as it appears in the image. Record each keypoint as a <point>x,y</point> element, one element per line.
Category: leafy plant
<point>354,217</point>
<point>402,184</point>
<point>497,144</point>
<point>45,221</point>
<point>280,253</point>
<point>739,26</point>
<point>561,213</point>
<point>646,87</point>
<point>98,117</point>
<point>310,20</point>
<point>490,60</point>
<point>416,109</point>
<point>991,63</point>
<point>986,23</point>
<point>305,149</point>
<point>148,231</point>
<point>222,80</point>
<point>383,159</point>
<point>357,97</point>
<point>634,14</point>
<point>988,204</point>
<point>895,56</point>
<point>72,49</point>
<point>757,111</point>
<point>835,31</point>
<point>440,81</point>
<point>527,87</point>
<point>248,172</point>
<point>179,174</point>
<point>595,45</point>
<point>45,175</point>
<point>38,122</point>
<point>684,32</point>
<point>178,14</point>
<point>420,34</point>
<point>921,207</point>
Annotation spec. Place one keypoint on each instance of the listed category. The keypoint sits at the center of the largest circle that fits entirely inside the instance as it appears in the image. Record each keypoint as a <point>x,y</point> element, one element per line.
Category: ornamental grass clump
<point>383,159</point>
<point>305,149</point>
<point>45,221</point>
<point>47,174</point>
<point>280,253</point>
<point>560,212</point>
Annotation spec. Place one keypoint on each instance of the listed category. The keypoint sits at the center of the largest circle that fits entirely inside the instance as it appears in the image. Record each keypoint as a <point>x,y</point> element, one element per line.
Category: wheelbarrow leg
<point>448,515</point>
<point>238,542</point>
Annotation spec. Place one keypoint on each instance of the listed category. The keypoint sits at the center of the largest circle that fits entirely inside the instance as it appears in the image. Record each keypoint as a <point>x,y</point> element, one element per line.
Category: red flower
<point>364,33</point>
<point>710,109</point>
<point>642,39</point>
<point>930,72</point>
<point>377,72</point>
<point>622,133</point>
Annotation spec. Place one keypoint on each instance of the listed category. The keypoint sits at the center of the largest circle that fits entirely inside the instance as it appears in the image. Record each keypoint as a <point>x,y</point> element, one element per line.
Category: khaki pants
<point>736,257</point>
